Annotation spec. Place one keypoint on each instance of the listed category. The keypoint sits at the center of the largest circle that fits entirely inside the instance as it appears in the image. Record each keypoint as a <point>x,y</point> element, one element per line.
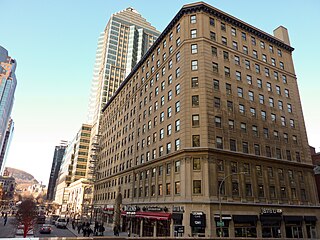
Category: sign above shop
<point>129,208</point>
<point>177,209</point>
<point>271,211</point>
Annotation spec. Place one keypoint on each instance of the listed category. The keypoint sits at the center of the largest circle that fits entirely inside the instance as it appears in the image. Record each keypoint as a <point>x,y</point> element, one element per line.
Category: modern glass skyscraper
<point>56,163</point>
<point>126,38</point>
<point>8,84</point>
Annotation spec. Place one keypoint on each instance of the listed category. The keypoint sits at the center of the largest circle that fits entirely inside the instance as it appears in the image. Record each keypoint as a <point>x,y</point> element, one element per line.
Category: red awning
<point>154,215</point>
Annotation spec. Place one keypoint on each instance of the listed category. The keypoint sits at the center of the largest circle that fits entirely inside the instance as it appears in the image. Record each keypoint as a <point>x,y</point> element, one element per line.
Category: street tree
<point>27,215</point>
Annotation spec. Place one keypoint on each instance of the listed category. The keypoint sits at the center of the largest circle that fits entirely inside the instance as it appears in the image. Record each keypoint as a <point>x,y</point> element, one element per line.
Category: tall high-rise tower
<point>56,163</point>
<point>126,38</point>
<point>8,84</point>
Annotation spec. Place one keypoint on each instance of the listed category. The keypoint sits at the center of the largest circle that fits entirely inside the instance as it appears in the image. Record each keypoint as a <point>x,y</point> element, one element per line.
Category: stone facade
<point>214,103</point>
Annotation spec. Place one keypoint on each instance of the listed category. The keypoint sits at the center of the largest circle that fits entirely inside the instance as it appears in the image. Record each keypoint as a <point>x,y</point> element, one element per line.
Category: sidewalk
<point>108,231</point>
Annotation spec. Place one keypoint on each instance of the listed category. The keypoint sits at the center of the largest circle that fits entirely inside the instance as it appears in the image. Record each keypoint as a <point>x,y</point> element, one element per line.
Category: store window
<point>245,226</point>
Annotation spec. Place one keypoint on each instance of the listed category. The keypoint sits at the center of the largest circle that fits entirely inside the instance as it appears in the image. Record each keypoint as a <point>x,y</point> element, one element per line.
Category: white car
<point>61,223</point>
<point>20,230</point>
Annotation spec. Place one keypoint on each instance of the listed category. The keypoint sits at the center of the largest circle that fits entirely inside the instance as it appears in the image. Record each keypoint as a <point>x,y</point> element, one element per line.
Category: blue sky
<point>54,43</point>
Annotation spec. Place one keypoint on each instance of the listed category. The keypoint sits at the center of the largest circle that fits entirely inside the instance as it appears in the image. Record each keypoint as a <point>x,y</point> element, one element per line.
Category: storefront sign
<point>271,211</point>
<point>197,219</point>
<point>130,208</point>
<point>179,229</point>
<point>154,209</point>
<point>177,209</point>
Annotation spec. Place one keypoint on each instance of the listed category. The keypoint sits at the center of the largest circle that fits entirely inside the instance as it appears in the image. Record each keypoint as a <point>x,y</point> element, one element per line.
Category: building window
<point>196,164</point>
<point>283,193</point>
<point>213,36</point>
<point>243,127</point>
<point>257,66</point>
<point>241,109</point>
<point>240,92</point>
<point>195,120</point>
<point>245,49</point>
<point>280,105</point>
<point>177,145</point>
<point>169,129</point>
<point>261,99</point>
<point>219,143</point>
<point>193,19</point>
<point>249,79</point>
<point>228,88</point>
<point>195,140</point>
<point>248,190</point>
<point>225,55</point>
<point>238,75</point>
<point>281,65</point>
<point>278,153</point>
<point>235,188</point>
<point>247,63</point>
<point>168,188</point>
<point>245,147</point>
<point>260,191</point>
<point>196,186</point>
<point>233,145</point>
<point>251,96</point>
<point>194,82</point>
<point>272,192</point>
<point>211,22</point>
<point>215,84</point>
<point>255,54</point>
<point>178,42</point>
<point>217,102</point>
<point>177,125</point>
<point>224,40</point>
<point>234,167</point>
<point>257,149</point>
<point>177,188</point>
<point>289,107</point>
<point>215,67</point>
<point>227,72</point>
<point>194,65</point>
<point>235,45</point>
<point>194,48</point>
<point>220,165</point>
<point>244,36</point>
<point>177,105</point>
<point>283,121</point>
<point>286,93</point>
<point>233,32</point>
<point>223,26</point>
<point>231,124</point>
<point>195,101</point>
<point>168,148</point>
<point>264,57</point>
<point>259,83</point>
<point>217,121</point>
<point>271,103</point>
<point>237,60</point>
<point>193,33</point>
<point>230,106</point>
<point>160,191</point>
<point>266,71</point>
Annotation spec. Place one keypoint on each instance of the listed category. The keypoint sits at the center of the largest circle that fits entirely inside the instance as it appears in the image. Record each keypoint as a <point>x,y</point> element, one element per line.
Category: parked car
<point>54,219</point>
<point>20,230</point>
<point>61,223</point>
<point>45,228</point>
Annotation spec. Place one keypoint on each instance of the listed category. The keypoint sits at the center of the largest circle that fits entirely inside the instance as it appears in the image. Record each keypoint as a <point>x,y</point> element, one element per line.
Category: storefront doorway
<point>293,226</point>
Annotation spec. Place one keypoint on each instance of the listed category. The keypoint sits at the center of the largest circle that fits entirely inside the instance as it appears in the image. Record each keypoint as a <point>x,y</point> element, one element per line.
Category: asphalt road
<point>9,230</point>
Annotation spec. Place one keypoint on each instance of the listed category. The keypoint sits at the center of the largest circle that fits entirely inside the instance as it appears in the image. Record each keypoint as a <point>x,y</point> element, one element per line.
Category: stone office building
<point>212,109</point>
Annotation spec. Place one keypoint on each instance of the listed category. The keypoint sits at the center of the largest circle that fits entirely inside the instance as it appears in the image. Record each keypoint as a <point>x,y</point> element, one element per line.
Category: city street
<point>9,230</point>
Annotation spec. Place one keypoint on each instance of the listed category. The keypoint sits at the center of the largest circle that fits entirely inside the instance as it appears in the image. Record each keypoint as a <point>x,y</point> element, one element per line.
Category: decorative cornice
<point>192,8</point>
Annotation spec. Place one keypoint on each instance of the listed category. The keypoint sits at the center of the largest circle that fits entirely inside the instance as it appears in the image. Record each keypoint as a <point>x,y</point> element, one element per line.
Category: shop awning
<point>292,218</point>
<point>270,218</point>
<point>310,218</point>
<point>154,215</point>
<point>245,218</point>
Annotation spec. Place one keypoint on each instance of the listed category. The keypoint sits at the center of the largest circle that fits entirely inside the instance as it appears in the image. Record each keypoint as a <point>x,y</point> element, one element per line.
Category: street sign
<point>220,224</point>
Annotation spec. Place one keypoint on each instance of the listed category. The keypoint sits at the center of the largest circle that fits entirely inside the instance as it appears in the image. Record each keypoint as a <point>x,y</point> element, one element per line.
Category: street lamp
<point>219,196</point>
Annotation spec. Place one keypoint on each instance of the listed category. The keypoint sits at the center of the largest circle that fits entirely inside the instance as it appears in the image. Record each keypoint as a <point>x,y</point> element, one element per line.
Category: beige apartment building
<point>210,115</point>
<point>74,168</point>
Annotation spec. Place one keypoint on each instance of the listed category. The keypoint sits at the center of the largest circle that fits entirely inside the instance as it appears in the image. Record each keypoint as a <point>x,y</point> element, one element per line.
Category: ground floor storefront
<point>192,220</point>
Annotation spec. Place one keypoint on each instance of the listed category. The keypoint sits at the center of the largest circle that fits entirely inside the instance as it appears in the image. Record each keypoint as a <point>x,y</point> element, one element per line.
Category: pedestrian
<point>79,228</point>
<point>89,231</point>
<point>101,229</point>
<point>96,227</point>
<point>73,224</point>
<point>116,230</point>
<point>5,219</point>
<point>84,230</point>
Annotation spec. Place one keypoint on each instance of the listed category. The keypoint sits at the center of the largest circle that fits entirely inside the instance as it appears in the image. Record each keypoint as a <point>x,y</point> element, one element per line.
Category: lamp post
<point>219,196</point>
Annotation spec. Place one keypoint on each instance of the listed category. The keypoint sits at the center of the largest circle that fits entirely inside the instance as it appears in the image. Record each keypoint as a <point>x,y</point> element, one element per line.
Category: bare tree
<point>27,215</point>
